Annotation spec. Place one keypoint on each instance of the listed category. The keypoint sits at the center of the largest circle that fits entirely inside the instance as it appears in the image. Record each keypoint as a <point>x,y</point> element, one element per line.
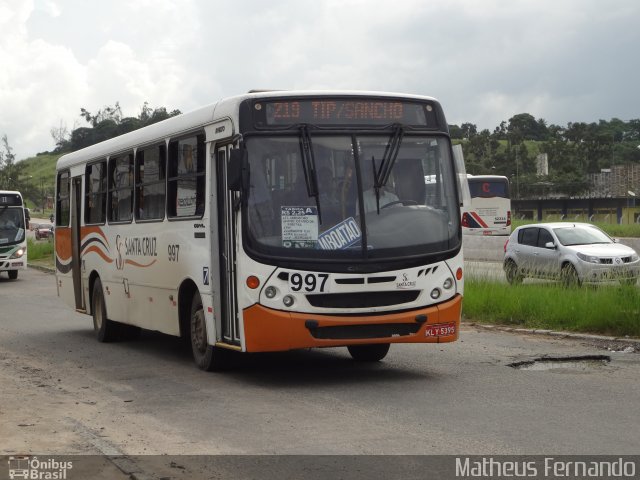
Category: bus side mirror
<point>236,168</point>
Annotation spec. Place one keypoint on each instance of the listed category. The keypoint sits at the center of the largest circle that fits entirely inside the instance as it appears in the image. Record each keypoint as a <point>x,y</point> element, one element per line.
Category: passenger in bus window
<point>409,181</point>
<point>329,200</point>
<point>369,192</point>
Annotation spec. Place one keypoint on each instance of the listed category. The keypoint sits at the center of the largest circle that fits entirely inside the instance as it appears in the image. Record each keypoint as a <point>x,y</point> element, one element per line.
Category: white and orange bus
<point>13,233</point>
<point>489,211</point>
<point>269,221</point>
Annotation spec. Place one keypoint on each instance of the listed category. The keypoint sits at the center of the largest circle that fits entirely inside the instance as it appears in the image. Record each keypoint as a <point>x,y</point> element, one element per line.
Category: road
<point>65,393</point>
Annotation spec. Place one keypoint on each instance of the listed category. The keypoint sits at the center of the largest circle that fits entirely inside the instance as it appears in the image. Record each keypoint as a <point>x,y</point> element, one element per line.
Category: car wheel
<point>514,277</point>
<point>569,276</point>
<point>13,274</point>
<point>106,330</point>
<point>369,353</point>
<point>207,357</point>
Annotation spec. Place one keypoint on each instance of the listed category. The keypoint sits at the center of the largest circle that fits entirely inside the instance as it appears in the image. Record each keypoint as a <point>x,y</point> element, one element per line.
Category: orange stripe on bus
<point>141,265</point>
<point>86,231</point>
<point>97,250</point>
<point>63,243</point>
<point>268,330</point>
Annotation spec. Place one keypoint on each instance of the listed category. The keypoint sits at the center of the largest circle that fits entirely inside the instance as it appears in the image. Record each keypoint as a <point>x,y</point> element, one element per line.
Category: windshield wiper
<point>309,167</point>
<point>382,174</point>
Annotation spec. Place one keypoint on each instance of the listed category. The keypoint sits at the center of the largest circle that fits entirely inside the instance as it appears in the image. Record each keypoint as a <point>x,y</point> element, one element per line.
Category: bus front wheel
<point>207,357</point>
<point>369,353</point>
<point>13,274</point>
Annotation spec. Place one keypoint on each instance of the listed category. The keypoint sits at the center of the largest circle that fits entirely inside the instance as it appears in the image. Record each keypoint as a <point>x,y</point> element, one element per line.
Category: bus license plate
<point>440,330</point>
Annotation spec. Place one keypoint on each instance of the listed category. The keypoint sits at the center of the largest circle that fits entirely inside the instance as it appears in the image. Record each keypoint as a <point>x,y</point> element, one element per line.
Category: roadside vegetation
<point>605,310</point>
<point>40,253</point>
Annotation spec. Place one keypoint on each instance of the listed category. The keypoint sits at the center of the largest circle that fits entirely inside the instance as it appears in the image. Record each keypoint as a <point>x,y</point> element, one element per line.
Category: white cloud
<point>486,61</point>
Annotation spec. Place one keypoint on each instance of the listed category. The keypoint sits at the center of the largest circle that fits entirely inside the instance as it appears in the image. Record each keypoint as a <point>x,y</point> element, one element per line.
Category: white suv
<point>571,252</point>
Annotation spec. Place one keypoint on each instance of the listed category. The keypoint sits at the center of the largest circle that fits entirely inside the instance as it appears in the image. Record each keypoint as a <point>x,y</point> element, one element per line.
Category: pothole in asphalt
<point>581,363</point>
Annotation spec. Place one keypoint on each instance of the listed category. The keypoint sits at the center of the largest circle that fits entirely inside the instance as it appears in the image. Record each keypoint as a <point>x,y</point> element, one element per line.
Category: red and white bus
<point>489,211</point>
<point>269,221</point>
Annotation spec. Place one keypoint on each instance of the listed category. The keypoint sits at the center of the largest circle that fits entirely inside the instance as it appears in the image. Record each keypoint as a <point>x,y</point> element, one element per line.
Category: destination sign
<point>10,199</point>
<point>343,112</point>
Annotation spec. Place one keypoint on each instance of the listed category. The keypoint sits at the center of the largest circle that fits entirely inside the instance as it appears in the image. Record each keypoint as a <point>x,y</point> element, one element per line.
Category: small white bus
<point>13,233</point>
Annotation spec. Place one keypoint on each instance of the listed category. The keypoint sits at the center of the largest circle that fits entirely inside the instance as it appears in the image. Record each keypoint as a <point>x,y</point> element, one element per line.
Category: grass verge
<point>605,310</point>
<point>40,253</point>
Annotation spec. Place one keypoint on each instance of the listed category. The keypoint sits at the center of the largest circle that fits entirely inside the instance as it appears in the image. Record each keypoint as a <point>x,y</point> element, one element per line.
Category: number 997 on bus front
<point>309,282</point>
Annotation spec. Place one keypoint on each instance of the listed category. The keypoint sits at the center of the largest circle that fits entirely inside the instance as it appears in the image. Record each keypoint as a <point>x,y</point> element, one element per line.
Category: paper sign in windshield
<point>299,227</point>
<point>343,235</point>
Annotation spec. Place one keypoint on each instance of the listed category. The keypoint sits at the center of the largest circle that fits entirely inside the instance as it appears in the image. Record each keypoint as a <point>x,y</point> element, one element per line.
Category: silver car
<point>572,252</point>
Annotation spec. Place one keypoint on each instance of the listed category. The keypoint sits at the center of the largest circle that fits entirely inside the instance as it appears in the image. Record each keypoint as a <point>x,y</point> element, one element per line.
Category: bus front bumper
<point>268,330</point>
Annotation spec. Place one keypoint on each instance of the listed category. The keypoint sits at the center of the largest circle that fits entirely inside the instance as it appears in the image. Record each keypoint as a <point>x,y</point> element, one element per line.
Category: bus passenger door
<point>227,251</point>
<point>76,202</point>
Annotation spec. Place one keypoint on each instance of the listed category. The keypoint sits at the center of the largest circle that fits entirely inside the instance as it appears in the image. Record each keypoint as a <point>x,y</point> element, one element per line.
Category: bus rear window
<point>488,189</point>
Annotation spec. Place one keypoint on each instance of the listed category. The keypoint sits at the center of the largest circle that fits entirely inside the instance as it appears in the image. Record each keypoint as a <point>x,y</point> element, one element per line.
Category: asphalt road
<point>62,392</point>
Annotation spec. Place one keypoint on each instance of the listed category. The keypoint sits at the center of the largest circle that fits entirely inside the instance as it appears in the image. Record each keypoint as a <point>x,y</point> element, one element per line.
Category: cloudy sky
<point>485,60</point>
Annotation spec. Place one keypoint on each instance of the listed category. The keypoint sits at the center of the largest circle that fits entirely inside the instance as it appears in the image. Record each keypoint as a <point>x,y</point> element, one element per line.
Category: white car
<point>572,252</point>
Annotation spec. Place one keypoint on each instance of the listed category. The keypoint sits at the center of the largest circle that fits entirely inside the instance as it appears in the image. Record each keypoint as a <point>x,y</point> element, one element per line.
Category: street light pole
<point>44,197</point>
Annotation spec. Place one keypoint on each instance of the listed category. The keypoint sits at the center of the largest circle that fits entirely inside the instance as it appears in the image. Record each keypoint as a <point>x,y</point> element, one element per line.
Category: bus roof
<point>487,177</point>
<point>200,117</point>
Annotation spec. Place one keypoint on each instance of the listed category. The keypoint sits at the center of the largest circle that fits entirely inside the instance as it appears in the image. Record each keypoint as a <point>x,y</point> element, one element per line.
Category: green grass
<point>606,310</point>
<point>40,252</point>
<point>613,229</point>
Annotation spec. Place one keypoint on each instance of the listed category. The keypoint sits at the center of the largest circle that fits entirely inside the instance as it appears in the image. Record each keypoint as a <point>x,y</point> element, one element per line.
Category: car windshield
<point>328,198</point>
<point>11,225</point>
<point>577,235</point>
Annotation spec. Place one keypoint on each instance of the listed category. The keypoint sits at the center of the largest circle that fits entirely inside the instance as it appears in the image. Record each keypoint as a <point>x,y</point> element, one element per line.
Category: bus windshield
<point>12,229</point>
<point>346,197</point>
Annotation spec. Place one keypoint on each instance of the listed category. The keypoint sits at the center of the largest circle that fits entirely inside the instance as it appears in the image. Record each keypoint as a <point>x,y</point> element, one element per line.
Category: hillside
<point>38,179</point>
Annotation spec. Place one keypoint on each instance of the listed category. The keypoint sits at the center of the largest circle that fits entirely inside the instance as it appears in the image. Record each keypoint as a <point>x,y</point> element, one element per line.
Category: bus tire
<point>106,330</point>
<point>207,357</point>
<point>13,274</point>
<point>369,353</point>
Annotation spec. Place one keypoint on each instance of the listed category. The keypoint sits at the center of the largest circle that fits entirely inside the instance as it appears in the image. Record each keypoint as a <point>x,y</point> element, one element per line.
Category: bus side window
<point>95,205</point>
<point>63,205</point>
<point>186,177</point>
<point>150,182</point>
<point>121,188</point>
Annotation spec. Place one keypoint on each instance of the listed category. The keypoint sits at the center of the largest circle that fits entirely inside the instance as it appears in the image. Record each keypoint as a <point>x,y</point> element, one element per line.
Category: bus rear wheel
<point>207,357</point>
<point>106,330</point>
<point>13,274</point>
<point>369,353</point>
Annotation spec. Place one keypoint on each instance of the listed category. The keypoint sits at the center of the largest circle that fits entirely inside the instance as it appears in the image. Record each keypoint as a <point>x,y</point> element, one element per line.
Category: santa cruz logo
<point>134,247</point>
<point>405,282</point>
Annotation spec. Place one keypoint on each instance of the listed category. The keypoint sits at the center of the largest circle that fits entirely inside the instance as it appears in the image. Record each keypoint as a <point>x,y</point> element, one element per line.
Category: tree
<point>469,130</point>
<point>526,127</point>
<point>456,132</point>
<point>10,171</point>
<point>107,123</point>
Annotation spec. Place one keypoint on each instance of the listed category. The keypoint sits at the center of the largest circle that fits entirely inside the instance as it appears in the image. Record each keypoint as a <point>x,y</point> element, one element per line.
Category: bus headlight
<point>448,283</point>
<point>18,253</point>
<point>435,293</point>
<point>270,292</point>
<point>288,301</point>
